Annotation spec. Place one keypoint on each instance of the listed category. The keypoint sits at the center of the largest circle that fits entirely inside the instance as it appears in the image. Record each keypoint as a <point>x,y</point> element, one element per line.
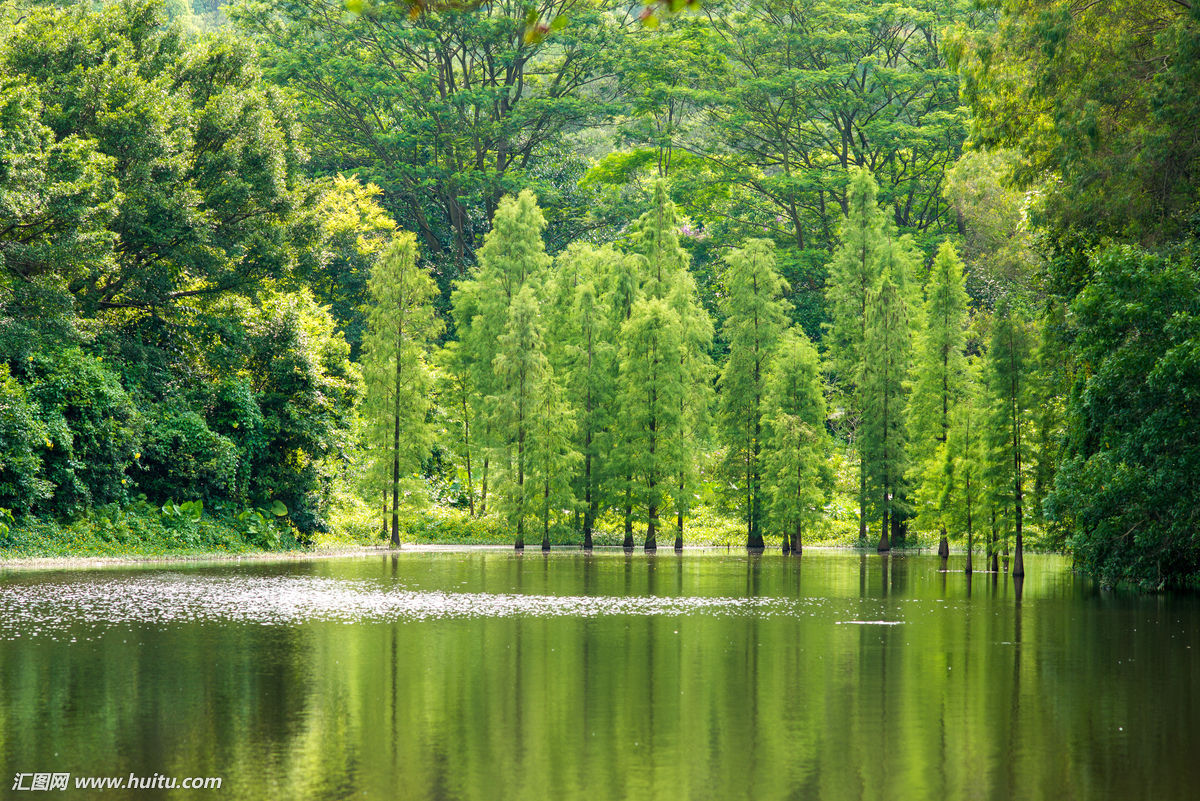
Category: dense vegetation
<point>917,273</point>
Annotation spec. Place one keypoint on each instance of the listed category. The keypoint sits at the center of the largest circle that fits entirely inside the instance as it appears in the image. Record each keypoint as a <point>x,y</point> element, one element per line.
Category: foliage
<point>1126,485</point>
<point>754,320</point>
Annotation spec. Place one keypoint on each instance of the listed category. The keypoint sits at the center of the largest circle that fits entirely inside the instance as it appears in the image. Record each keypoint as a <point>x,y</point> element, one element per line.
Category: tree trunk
<point>797,546</point>
<point>679,529</point>
<point>628,543</point>
<point>588,519</point>
<point>652,527</point>
<point>944,546</point>
<point>970,534</point>
<point>546,514</point>
<point>884,544</point>
<point>995,556</point>
<point>862,499</point>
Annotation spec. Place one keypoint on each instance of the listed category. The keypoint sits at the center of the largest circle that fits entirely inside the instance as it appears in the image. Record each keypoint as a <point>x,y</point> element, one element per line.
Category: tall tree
<point>938,378</point>
<point>854,273</point>
<point>552,455</point>
<point>652,385</point>
<point>888,349</point>
<point>817,87</point>
<point>523,371</point>
<point>798,478</point>
<point>1007,368</point>
<point>755,316</point>
<point>589,364</point>
<point>401,325</point>
<point>965,454</point>
<point>512,255</point>
<point>446,109</point>
<point>696,399</point>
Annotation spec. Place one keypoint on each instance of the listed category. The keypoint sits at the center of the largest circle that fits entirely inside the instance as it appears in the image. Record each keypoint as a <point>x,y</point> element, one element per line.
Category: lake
<point>712,675</point>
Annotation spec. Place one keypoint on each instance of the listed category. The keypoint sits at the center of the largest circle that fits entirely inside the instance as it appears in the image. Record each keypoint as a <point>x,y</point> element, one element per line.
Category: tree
<point>854,272</point>
<point>552,456</point>
<point>400,328</point>
<point>938,383</point>
<point>888,351</point>
<point>447,109</point>
<point>798,479</point>
<point>1007,369</point>
<point>512,255</point>
<point>523,371</point>
<point>964,455</point>
<point>696,399</point>
<point>651,390</point>
<point>1126,488</point>
<point>815,88</point>
<point>589,363</point>
<point>755,316</point>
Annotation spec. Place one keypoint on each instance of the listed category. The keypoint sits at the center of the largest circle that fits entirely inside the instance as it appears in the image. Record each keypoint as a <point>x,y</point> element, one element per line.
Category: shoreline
<point>25,563</point>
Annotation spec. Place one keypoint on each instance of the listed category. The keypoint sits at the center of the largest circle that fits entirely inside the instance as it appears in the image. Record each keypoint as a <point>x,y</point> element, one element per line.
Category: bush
<point>90,429</point>
<point>183,459</point>
<point>22,438</point>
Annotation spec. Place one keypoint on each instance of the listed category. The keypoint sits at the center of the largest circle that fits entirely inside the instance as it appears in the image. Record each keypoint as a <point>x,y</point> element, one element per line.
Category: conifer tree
<point>460,406</point>
<point>400,327</point>
<point>938,382</point>
<point>522,370</point>
<point>552,456</point>
<point>696,399</point>
<point>755,317</point>
<point>512,256</point>
<point>656,238</point>
<point>622,289</point>
<point>1007,368</point>
<point>888,350</point>
<point>853,277</point>
<point>796,444</point>
<point>652,383</point>
<point>589,364</point>
<point>965,488</point>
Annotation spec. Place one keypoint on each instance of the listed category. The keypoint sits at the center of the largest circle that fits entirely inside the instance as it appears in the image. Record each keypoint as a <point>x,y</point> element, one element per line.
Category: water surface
<point>489,675</point>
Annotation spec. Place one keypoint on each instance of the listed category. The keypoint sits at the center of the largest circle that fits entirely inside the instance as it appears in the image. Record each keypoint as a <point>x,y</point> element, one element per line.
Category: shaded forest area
<point>284,272</point>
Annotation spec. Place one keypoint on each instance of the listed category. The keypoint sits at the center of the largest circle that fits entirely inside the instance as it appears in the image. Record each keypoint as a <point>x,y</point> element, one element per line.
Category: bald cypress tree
<point>512,256</point>
<point>401,325</point>
<point>755,316</point>
<point>695,402</point>
<point>854,273</point>
<point>937,386</point>
<point>798,478</point>
<point>888,351</point>
<point>652,383</point>
<point>522,370</point>
<point>1007,368</point>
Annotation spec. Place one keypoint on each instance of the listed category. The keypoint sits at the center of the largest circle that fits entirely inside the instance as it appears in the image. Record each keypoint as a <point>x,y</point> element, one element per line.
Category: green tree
<point>552,455</point>
<point>965,457</point>
<point>1007,369</point>
<point>400,328</point>
<point>446,110</point>
<point>1126,488</point>
<point>522,370</point>
<point>696,400</point>
<point>651,389</point>
<point>798,478</point>
<point>938,378</point>
<point>755,316</point>
<point>512,255</point>
<point>888,350</point>
<point>854,273</point>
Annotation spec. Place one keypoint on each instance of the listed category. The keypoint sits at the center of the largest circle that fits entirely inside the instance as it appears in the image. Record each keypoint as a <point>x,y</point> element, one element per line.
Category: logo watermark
<point>63,781</point>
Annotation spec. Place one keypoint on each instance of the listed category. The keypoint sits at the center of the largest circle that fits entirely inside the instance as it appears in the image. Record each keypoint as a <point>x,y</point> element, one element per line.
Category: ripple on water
<point>50,609</point>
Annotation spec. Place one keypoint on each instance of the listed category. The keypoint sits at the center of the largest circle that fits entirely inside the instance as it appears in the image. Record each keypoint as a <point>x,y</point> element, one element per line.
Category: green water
<point>491,676</point>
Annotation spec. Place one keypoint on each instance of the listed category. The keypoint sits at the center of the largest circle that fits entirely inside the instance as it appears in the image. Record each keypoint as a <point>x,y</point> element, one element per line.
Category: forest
<point>582,272</point>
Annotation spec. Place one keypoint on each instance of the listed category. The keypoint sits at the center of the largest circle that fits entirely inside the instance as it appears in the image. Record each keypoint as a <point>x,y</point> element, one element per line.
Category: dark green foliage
<point>1127,485</point>
<point>22,440</point>
<point>90,425</point>
<point>182,459</point>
